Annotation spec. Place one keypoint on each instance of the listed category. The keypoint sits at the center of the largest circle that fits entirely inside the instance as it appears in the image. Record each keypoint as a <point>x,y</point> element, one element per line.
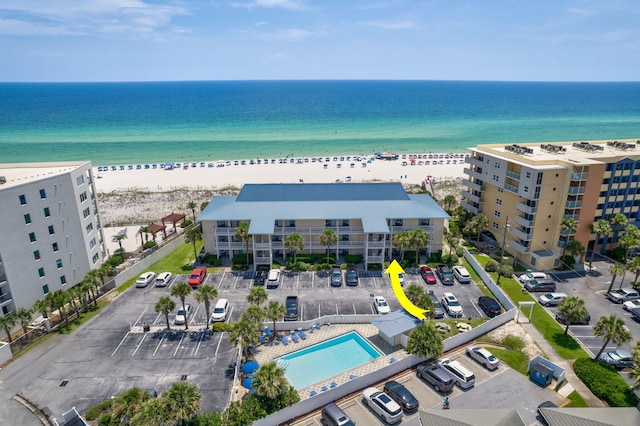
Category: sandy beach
<point>140,196</point>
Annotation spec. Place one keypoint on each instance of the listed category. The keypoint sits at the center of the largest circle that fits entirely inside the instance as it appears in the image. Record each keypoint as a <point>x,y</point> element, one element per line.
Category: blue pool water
<point>323,360</point>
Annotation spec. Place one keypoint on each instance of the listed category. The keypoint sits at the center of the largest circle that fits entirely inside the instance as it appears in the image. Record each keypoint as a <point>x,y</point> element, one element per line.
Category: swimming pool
<point>323,360</point>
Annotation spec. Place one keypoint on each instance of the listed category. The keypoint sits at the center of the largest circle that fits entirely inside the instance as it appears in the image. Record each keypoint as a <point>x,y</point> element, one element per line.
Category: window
<point>80,180</point>
<point>89,228</point>
<point>528,175</point>
<point>496,178</point>
<point>539,179</point>
<point>95,258</point>
<point>344,237</point>
<point>278,224</point>
<point>27,218</point>
<point>63,279</point>
<point>47,212</point>
<point>526,189</point>
<point>86,212</point>
<point>399,222</point>
<point>32,237</point>
<point>51,230</point>
<point>59,263</point>
<point>45,289</point>
<point>292,224</point>
<point>501,190</point>
<point>497,165</point>
<point>23,199</point>
<point>499,201</point>
<point>235,223</point>
<point>424,222</point>
<point>54,246</point>
<point>345,222</point>
<point>43,194</point>
<point>223,239</point>
<point>222,224</point>
<point>495,225</point>
<point>92,243</point>
<point>329,223</point>
<point>496,213</point>
<point>41,272</point>
<point>36,255</point>
<point>83,197</point>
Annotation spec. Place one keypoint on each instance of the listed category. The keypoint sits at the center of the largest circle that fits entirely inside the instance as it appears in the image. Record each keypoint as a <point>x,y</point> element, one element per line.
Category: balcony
<point>571,216</point>
<point>471,197</point>
<point>523,222</point>
<point>573,204</point>
<point>470,207</point>
<point>525,208</point>
<point>6,297</point>
<point>261,246</point>
<point>375,244</point>
<point>513,175</point>
<point>473,173</point>
<point>511,188</point>
<point>576,190</point>
<point>516,246</point>
<point>474,161</point>
<point>578,176</point>
<point>562,243</point>
<point>262,260</point>
<point>3,279</point>
<point>566,232</point>
<point>472,185</point>
<point>375,259</point>
<point>521,234</point>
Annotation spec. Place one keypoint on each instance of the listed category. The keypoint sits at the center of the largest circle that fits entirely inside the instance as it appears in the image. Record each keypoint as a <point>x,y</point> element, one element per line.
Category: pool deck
<point>275,348</point>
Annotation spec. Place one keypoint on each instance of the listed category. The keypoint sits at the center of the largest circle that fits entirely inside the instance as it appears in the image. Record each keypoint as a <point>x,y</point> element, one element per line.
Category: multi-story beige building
<point>536,186</point>
<point>365,217</point>
<point>50,232</point>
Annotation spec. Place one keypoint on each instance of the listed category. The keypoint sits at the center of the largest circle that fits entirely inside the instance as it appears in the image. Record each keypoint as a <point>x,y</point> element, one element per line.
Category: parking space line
<point>145,310</point>
<point>179,343</point>
<point>319,311</point>
<point>159,344</point>
<point>337,312</point>
<point>215,356</point>
<point>371,307</point>
<point>354,309</point>
<point>229,316</point>
<point>173,282</point>
<point>157,318</point>
<point>195,352</point>
<point>121,342</point>
<point>475,307</point>
<point>193,317</point>
<point>221,280</point>
<point>301,310</point>
<point>139,344</point>
<point>298,281</point>
<point>313,279</point>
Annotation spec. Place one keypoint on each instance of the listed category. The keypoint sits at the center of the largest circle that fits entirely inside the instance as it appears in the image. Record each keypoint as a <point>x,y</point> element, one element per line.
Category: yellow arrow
<point>394,270</point>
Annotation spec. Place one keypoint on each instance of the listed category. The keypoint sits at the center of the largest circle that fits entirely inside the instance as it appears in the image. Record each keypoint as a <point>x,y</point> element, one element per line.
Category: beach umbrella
<point>248,383</point>
<point>250,367</point>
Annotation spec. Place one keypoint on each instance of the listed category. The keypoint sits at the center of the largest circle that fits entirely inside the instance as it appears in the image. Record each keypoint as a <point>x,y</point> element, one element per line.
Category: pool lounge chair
<point>333,384</point>
<point>268,332</point>
<point>284,339</point>
<point>262,338</point>
<point>302,334</point>
<point>313,393</point>
<point>294,337</point>
<point>324,389</point>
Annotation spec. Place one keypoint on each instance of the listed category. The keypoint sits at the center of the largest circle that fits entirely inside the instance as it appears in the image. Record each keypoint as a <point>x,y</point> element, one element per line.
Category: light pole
<point>504,243</point>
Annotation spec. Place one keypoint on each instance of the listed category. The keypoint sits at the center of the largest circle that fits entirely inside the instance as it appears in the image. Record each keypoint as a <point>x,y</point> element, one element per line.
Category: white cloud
<point>398,25</point>
<point>261,23</point>
<point>293,34</point>
<point>275,56</point>
<point>582,12</point>
<point>282,4</point>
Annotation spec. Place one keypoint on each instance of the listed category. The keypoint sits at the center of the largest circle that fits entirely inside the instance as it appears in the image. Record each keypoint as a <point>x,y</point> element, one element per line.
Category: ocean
<point>124,123</point>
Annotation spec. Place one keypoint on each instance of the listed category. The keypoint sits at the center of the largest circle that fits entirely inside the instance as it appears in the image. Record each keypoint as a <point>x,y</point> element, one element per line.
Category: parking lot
<point>502,388</point>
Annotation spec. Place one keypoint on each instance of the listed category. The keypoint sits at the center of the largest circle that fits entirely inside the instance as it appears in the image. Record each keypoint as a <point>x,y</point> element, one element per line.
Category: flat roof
<point>15,174</point>
<point>396,323</point>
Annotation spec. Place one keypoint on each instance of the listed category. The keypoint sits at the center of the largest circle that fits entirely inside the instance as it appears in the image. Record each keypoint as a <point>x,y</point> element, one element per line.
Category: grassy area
<point>576,401</point>
<point>514,358</point>
<point>86,316</point>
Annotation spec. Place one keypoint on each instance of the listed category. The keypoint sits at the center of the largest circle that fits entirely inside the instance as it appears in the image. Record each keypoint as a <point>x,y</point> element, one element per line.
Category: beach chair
<point>268,332</point>
<point>302,334</point>
<point>313,393</point>
<point>262,338</point>
<point>294,337</point>
<point>312,328</point>
<point>284,339</point>
<point>324,389</point>
<point>333,385</point>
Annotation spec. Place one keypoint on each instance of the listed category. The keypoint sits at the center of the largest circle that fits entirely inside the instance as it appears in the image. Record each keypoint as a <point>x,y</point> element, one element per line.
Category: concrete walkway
<point>572,379</point>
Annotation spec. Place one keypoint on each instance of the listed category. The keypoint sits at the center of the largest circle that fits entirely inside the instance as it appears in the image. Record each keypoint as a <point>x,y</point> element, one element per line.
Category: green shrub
<point>185,223</point>
<point>222,326</point>
<point>450,259</point>
<point>212,260</point>
<point>568,262</point>
<point>115,260</point>
<point>239,267</point>
<point>506,270</point>
<point>242,258</point>
<point>435,257</point>
<point>491,266</point>
<point>605,383</point>
<point>149,244</point>
<point>375,267</point>
<point>298,267</point>
<point>321,267</point>
<point>459,251</point>
<point>95,411</point>
<point>353,258</point>
<point>513,342</point>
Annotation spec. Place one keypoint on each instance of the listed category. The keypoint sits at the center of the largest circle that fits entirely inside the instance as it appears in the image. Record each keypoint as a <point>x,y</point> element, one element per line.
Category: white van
<point>531,276</point>
<point>461,375</point>
<point>272,278</point>
<point>220,311</point>
<point>461,274</point>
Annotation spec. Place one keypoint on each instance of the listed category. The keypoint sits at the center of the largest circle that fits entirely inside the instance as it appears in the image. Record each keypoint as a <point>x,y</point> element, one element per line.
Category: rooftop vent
<point>3,180</point>
<point>556,149</point>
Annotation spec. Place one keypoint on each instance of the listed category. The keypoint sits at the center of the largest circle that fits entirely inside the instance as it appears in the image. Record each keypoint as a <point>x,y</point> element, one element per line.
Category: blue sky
<point>136,40</point>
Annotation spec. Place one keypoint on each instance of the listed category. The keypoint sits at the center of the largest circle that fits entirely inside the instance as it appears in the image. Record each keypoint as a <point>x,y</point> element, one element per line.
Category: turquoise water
<point>111,123</point>
<point>323,360</point>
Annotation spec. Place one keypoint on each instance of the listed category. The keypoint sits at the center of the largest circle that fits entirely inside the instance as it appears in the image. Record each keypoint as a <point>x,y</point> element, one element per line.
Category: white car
<point>483,356</point>
<point>461,274</point>
<point>551,299</point>
<point>182,316</point>
<point>532,276</point>
<point>631,304</point>
<point>163,279</point>
<point>145,279</point>
<point>622,295</point>
<point>452,305</point>
<point>381,305</point>
<point>382,404</point>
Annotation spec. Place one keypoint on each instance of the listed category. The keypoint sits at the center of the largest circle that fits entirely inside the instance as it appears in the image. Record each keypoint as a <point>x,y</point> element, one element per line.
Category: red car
<point>428,275</point>
<point>197,277</point>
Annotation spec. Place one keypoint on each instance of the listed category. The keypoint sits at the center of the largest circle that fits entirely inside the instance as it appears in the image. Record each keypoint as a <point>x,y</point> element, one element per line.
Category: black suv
<point>490,307</point>
<point>542,285</point>
<point>352,275</point>
<point>445,274</point>
<point>336,276</point>
<point>260,275</point>
<point>292,308</point>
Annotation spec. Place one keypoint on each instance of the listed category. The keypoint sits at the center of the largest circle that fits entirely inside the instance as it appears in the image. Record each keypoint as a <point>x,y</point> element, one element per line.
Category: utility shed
<point>392,326</point>
<point>541,374</point>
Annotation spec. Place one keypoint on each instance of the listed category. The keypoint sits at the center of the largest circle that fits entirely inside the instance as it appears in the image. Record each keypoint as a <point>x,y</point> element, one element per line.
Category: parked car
<point>445,274</point>
<point>163,279</point>
<point>461,274</point>
<point>635,313</point>
<point>291,305</point>
<point>260,275</point>
<point>145,279</point>
<point>352,275</point>
<point>273,278</point>
<point>539,286</point>
<point>546,404</point>
<point>382,405</point>
<point>336,276</point>
<point>428,275</point>
<point>220,311</point>
<point>183,314</point>
<point>332,415</point>
<point>561,320</point>
<point>631,304</point>
<point>438,311</point>
<point>197,277</point>
<point>436,376</point>
<point>620,358</point>
<point>381,305</point>
<point>623,294</point>
<point>451,305</point>
<point>532,275</point>
<point>551,299</point>
<point>489,306</point>
<point>402,396</point>
<point>483,356</point>
<point>462,377</point>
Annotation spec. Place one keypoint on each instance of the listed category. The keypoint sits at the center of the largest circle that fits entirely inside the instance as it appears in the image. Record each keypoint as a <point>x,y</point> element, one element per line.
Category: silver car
<point>619,358</point>
<point>183,314</point>
<point>483,356</point>
<point>623,294</point>
<point>551,299</point>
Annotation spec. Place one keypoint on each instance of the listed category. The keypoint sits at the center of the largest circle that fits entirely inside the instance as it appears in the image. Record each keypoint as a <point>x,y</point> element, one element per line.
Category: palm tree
<point>449,200</point>
<point>143,232</point>
<point>572,310</point>
<point>164,306</point>
<point>418,238</point>
<point>24,317</point>
<point>481,222</point>
<point>127,404</point>
<point>600,227</point>
<point>181,291</point>
<point>402,242</point>
<point>205,294</point>
<point>257,296</point>
<point>92,280</point>
<point>7,322</point>
<point>153,412</point>
<point>328,238</point>
<point>630,239</point>
<point>414,293</point>
<point>43,307</point>
<point>635,370</point>
<point>58,299</point>
<point>633,266</point>
<point>568,227</point>
<point>611,328</point>
<point>574,248</point>
<point>451,239</point>
<point>255,314</point>
<point>119,238</point>
<point>269,381</point>
<point>242,233</point>
<point>204,205</point>
<point>193,235</point>
<point>615,270</point>
<point>274,311</point>
<point>425,341</point>
<point>294,243</point>
<point>617,221</point>
<point>183,400</point>
<point>244,333</point>
<point>192,206</point>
